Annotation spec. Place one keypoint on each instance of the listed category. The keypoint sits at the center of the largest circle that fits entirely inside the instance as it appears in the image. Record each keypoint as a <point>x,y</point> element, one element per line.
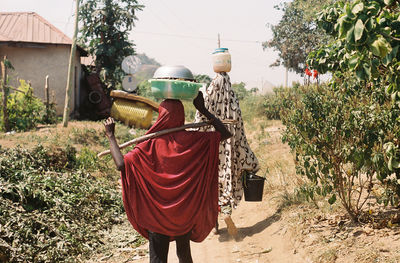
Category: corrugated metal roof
<point>29,27</point>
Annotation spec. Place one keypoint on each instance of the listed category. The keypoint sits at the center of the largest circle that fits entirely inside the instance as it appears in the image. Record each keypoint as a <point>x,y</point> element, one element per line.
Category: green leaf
<point>380,47</point>
<point>353,61</point>
<point>360,74</point>
<point>367,70</point>
<point>388,2</point>
<point>343,27</point>
<point>395,164</point>
<point>358,8</point>
<point>370,24</point>
<point>350,36</point>
<point>375,48</point>
<point>358,30</point>
<point>332,200</point>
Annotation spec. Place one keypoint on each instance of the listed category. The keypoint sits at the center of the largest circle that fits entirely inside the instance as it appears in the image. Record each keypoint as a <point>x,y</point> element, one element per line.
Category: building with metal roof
<point>36,49</point>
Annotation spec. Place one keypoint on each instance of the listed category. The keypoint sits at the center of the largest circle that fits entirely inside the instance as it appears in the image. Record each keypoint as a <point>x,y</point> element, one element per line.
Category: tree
<point>345,133</point>
<point>366,42</point>
<point>240,90</point>
<point>296,34</point>
<point>145,60</point>
<point>104,33</point>
<point>202,78</point>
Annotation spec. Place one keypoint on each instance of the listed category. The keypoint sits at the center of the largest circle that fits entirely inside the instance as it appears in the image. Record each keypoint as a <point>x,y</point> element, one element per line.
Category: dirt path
<point>262,238</point>
<point>300,233</point>
<point>263,235</point>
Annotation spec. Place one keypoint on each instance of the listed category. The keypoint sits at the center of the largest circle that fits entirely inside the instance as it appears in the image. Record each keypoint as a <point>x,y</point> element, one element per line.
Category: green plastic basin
<point>174,89</point>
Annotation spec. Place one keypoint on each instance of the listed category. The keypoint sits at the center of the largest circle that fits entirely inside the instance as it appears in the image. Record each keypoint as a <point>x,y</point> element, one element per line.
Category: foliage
<point>202,78</point>
<point>296,34</point>
<point>340,136</point>
<point>367,42</point>
<point>273,103</point>
<point>24,109</point>
<point>144,90</point>
<point>252,107</point>
<point>365,51</point>
<point>93,137</point>
<point>240,90</point>
<point>145,60</point>
<point>50,209</point>
<point>105,29</point>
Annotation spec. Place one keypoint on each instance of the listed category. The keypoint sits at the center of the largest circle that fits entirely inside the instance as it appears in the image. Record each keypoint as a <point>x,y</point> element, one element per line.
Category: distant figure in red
<point>170,183</point>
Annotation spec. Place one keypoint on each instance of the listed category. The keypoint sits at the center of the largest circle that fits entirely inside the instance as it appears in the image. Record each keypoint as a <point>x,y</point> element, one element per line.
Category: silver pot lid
<point>173,72</point>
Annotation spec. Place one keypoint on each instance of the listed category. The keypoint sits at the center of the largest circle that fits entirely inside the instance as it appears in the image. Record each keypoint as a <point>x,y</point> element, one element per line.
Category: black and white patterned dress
<point>234,153</point>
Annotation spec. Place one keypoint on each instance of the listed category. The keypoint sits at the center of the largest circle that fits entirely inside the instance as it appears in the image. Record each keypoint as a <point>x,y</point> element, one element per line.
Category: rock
<point>368,231</point>
<point>235,249</point>
<point>267,250</point>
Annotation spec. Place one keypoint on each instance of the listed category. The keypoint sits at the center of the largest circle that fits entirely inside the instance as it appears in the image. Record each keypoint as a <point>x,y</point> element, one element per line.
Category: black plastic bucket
<point>253,186</point>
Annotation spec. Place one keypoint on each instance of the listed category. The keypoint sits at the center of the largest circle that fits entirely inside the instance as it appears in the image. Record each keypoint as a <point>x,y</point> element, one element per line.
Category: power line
<point>198,37</point>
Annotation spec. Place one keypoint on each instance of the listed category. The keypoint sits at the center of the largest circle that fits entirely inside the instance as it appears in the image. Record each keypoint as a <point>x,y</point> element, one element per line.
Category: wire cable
<point>198,37</point>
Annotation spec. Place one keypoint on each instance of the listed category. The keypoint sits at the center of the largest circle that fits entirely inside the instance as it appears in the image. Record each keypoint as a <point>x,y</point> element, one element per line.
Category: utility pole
<point>219,41</point>
<point>71,68</point>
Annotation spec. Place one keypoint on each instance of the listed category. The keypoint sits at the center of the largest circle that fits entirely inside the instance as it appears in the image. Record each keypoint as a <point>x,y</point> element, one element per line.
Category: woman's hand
<point>109,126</point>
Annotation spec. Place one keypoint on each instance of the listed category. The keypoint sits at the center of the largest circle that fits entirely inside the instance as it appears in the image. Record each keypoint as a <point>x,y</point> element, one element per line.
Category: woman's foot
<point>216,230</point>
<point>232,230</point>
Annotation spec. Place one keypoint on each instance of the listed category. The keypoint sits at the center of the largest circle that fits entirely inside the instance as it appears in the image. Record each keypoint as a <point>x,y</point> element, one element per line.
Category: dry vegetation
<point>318,232</point>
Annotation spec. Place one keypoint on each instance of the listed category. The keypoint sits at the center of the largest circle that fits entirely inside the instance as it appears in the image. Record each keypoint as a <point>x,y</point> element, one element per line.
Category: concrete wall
<point>32,62</point>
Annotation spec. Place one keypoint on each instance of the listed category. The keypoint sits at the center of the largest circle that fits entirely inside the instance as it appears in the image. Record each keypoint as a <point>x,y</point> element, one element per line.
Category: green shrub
<point>274,102</point>
<point>341,137</point>
<point>252,107</point>
<point>49,115</point>
<point>24,109</point>
<point>51,210</point>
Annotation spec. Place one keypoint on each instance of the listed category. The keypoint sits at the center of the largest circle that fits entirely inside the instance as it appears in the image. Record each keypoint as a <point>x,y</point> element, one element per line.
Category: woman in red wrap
<point>170,183</point>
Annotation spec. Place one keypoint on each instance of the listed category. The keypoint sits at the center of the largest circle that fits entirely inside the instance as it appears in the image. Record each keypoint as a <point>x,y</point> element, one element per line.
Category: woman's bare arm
<point>118,158</point>
<point>198,102</point>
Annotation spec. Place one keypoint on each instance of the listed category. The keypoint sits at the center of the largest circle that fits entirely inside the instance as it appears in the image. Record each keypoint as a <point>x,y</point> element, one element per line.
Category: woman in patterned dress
<point>235,154</point>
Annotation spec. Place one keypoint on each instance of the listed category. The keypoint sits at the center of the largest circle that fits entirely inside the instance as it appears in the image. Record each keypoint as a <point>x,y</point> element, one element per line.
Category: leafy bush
<point>51,211</point>
<point>340,137</point>
<point>274,102</point>
<point>25,110</point>
<point>252,106</point>
<point>49,115</point>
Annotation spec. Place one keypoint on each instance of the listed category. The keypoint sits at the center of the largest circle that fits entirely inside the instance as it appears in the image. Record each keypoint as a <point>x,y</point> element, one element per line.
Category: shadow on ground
<point>251,230</point>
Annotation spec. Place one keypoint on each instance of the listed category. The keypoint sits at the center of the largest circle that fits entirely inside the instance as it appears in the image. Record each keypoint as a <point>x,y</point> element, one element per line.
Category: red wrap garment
<point>170,183</point>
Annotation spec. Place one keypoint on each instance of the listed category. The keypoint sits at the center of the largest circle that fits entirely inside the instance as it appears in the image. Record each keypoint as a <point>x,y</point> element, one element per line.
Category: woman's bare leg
<point>232,230</point>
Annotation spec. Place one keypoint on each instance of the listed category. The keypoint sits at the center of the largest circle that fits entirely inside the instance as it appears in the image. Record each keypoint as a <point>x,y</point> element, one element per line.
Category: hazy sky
<point>179,32</point>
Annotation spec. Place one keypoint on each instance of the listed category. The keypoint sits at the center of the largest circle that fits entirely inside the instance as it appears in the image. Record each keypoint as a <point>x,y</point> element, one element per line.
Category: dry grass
<point>275,160</point>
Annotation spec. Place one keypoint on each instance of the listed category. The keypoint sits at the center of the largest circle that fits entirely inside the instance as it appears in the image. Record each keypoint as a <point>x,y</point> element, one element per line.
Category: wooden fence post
<point>6,123</point>
<point>46,96</point>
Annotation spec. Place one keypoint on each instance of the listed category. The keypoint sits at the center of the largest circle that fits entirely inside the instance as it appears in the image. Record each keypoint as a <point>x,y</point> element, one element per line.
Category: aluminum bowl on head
<point>173,72</point>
